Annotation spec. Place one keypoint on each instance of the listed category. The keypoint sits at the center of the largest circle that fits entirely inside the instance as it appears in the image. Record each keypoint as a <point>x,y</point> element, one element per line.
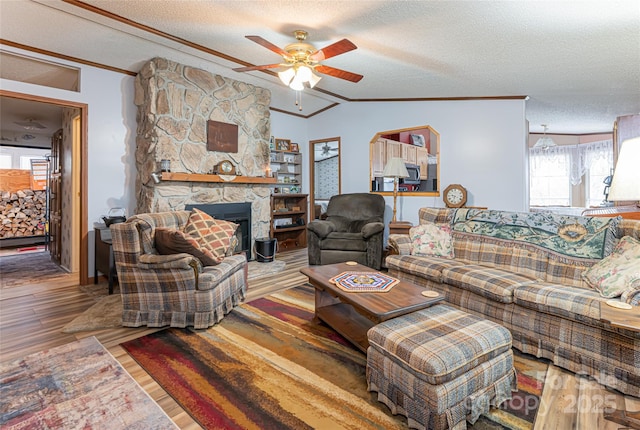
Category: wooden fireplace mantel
<point>202,177</point>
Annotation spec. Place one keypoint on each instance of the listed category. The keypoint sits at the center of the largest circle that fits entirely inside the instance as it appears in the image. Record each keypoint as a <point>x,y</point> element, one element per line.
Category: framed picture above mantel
<point>222,137</point>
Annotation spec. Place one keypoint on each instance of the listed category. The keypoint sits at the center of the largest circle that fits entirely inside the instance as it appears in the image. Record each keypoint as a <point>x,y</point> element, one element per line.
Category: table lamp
<point>395,169</point>
<point>625,185</point>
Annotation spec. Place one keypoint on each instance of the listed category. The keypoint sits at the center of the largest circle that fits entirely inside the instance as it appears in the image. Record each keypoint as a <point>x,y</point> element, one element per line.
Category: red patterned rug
<point>268,365</point>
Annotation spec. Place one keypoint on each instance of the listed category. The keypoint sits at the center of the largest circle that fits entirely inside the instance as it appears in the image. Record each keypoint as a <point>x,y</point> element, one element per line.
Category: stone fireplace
<point>174,103</point>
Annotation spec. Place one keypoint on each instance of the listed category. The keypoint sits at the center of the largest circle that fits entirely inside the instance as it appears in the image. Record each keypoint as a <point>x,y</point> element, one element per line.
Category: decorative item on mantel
<point>165,165</point>
<point>225,167</point>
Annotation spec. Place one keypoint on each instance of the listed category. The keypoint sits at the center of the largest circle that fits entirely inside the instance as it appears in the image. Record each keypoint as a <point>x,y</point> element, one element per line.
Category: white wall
<point>482,147</point>
<point>111,135</point>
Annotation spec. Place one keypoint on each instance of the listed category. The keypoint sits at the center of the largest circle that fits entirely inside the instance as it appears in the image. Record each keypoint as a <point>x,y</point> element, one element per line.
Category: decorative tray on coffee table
<point>364,282</point>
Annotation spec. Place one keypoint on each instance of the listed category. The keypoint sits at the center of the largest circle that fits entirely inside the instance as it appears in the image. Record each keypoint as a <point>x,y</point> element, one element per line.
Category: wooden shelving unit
<point>286,168</point>
<point>289,220</point>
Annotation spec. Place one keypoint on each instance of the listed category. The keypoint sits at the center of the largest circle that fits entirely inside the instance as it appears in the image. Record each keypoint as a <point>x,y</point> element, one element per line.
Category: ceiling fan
<point>326,149</point>
<point>301,59</point>
<point>30,124</point>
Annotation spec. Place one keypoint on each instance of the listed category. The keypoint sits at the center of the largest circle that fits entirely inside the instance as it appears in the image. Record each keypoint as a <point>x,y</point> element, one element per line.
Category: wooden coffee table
<point>352,314</point>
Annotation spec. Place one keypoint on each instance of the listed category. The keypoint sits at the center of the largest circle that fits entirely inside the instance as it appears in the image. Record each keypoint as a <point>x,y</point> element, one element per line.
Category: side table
<point>400,227</point>
<point>104,261</point>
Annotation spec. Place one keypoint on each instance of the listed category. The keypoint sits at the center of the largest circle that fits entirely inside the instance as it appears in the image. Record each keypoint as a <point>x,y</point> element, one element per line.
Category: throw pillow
<point>432,240</point>
<point>210,233</point>
<point>170,241</point>
<point>618,272</point>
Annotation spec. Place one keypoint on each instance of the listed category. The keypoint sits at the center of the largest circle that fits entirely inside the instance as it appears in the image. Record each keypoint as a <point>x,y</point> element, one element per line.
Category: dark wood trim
<point>155,31</point>
<point>227,57</point>
<point>299,115</point>
<point>329,93</point>
<point>84,118</point>
<point>84,195</point>
<point>222,55</point>
<point>312,170</point>
<point>322,110</point>
<point>439,99</point>
<point>66,57</point>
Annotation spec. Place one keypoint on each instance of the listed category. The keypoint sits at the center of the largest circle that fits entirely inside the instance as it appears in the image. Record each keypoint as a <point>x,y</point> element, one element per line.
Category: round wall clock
<point>225,167</point>
<point>455,196</point>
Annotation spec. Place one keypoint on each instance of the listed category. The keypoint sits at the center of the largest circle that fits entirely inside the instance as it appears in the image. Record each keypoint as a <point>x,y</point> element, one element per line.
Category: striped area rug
<point>268,365</point>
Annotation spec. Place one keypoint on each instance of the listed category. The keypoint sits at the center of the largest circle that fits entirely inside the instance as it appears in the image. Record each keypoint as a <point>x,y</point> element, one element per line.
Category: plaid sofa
<point>539,296</point>
<point>174,290</point>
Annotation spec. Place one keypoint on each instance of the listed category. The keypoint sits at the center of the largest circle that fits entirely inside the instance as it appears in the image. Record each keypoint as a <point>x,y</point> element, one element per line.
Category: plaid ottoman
<point>440,367</point>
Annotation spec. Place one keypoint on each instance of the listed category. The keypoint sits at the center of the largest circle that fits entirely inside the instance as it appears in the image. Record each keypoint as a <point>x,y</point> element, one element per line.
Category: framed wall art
<point>294,147</point>
<point>222,137</point>
<point>283,144</point>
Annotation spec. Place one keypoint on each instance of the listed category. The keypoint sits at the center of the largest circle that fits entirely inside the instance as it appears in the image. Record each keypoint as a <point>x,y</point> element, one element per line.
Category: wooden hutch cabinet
<point>289,220</point>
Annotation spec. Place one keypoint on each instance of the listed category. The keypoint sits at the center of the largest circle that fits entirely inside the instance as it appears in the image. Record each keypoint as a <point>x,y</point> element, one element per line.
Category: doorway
<point>324,173</point>
<point>74,225</point>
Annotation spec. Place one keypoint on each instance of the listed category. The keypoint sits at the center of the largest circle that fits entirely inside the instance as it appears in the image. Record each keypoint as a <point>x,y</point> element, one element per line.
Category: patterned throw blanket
<point>573,236</point>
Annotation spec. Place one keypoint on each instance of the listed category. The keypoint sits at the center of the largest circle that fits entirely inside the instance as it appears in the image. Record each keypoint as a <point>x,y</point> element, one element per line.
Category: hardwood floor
<point>32,315</point>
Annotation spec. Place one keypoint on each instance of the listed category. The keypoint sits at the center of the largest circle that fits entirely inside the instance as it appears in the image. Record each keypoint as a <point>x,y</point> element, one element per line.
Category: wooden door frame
<point>312,170</point>
<point>83,227</point>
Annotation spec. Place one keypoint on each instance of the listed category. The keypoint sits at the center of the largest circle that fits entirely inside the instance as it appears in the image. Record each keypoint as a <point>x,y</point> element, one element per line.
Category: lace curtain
<point>580,157</point>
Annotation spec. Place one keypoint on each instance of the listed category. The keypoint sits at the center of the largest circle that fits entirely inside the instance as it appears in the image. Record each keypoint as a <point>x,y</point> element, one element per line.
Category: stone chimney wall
<point>174,104</point>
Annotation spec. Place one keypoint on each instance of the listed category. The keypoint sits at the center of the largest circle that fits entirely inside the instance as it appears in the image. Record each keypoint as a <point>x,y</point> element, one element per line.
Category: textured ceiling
<point>577,61</point>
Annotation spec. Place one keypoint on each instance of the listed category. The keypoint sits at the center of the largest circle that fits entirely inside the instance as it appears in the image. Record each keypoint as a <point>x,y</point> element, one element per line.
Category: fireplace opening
<point>239,213</point>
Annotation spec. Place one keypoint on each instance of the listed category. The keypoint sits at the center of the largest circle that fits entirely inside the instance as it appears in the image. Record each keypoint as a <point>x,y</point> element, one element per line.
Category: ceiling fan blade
<point>263,42</point>
<point>337,73</point>
<point>263,67</point>
<point>337,48</point>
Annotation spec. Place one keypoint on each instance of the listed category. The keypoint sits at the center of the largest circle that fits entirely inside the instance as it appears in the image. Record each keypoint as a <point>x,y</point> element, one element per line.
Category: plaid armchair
<point>175,290</point>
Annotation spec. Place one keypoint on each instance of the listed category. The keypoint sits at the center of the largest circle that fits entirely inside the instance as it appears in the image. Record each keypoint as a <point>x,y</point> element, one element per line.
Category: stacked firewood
<point>22,213</point>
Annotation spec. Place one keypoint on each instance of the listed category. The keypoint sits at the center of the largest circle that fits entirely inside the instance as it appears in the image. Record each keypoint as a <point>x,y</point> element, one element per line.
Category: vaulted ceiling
<point>578,62</point>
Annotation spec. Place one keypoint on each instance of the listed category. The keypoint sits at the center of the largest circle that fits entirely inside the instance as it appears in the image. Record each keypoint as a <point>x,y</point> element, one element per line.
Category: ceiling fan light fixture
<point>303,73</point>
<point>297,75</point>
<point>287,76</point>
<point>301,60</point>
<point>313,80</point>
<point>296,84</point>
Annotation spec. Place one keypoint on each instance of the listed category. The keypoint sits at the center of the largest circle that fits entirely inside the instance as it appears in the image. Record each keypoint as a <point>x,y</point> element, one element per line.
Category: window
<point>549,174</point>
<point>6,161</point>
<point>598,171</point>
<point>554,171</point>
<point>18,157</point>
<point>25,161</point>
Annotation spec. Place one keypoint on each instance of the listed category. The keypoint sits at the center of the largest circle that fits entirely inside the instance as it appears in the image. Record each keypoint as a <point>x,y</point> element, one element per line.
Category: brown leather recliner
<point>352,231</point>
